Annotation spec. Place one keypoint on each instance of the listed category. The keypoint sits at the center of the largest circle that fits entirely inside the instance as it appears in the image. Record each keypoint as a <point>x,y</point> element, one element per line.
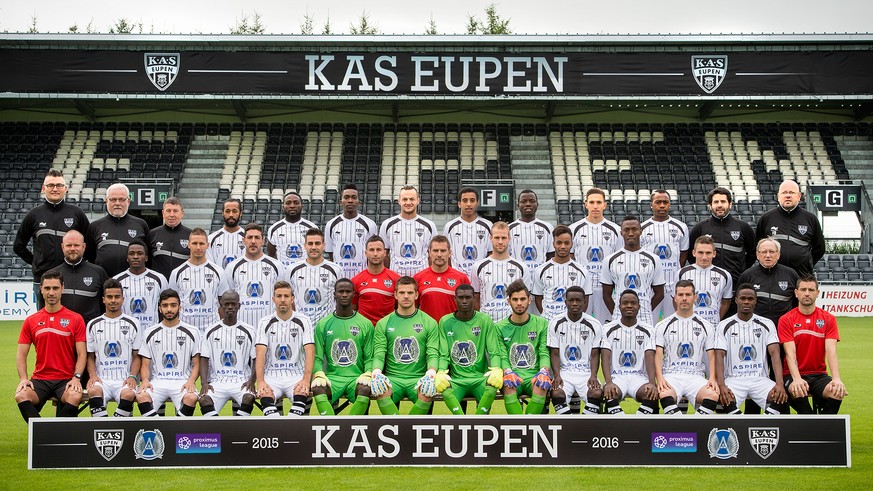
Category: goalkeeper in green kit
<point>464,369</point>
<point>343,351</point>
<point>406,345</point>
<point>524,338</point>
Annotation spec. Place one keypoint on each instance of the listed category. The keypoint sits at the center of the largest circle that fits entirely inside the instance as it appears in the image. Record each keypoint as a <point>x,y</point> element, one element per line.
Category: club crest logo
<point>87,280</point>
<point>820,323</point>
<point>162,69</point>
<point>132,233</point>
<point>723,444</point>
<point>387,283</point>
<point>532,335</point>
<point>764,441</point>
<point>783,285</point>
<point>451,282</point>
<point>65,322</point>
<point>709,71</point>
<point>68,222</point>
<point>149,445</point>
<point>108,442</point>
<point>476,330</point>
<point>183,243</point>
<point>802,229</point>
<point>735,234</point>
<point>774,230</point>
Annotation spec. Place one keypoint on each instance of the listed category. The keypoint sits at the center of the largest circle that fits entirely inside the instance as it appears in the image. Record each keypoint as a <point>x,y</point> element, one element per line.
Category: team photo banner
<point>440,441</point>
<point>447,74</point>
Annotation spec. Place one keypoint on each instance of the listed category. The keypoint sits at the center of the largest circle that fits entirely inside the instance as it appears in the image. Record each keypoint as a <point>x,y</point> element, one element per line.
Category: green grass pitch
<point>857,342</point>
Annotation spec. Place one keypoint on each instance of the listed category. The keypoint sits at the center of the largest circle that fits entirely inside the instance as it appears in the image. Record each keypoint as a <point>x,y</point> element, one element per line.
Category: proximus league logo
<point>709,71</point>
<point>162,68</point>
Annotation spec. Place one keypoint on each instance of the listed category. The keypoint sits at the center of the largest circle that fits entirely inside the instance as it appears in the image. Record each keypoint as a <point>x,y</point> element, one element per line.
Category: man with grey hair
<point>773,282</point>
<point>108,237</point>
<point>797,230</point>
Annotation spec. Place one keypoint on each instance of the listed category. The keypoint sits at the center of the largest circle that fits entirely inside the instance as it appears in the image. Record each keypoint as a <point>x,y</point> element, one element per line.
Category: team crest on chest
<point>419,231</point>
<point>150,285</point>
<point>735,234</point>
<point>573,275</point>
<point>208,277</point>
<point>323,277</point>
<point>68,222</point>
<point>180,339</point>
<point>354,330</point>
<point>87,280</point>
<point>774,230</point>
<point>802,229</point>
<point>64,322</point>
<point>606,235</point>
<point>644,262</point>
<point>715,280</point>
<point>532,335</point>
<point>240,339</point>
<point>125,329</point>
<point>265,270</point>
<point>783,285</point>
<point>476,330</point>
<point>539,234</point>
<point>417,328</point>
<point>757,331</point>
<point>183,243</point>
<point>674,233</point>
<point>451,282</point>
<point>640,338</point>
<point>480,234</point>
<point>697,330</point>
<point>387,283</point>
<point>820,323</point>
<point>132,233</point>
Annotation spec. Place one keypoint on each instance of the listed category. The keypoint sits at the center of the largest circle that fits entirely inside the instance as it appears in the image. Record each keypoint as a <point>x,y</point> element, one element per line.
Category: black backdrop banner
<point>440,441</point>
<point>447,75</point>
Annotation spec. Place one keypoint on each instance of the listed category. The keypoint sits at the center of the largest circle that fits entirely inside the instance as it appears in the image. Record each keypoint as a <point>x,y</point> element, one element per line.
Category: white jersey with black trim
<point>113,340</point>
<point>230,350</point>
<point>469,241</point>
<point>225,246</point>
<point>199,287</point>
<point>141,294</point>
<point>171,350</point>
<point>628,345</point>
<point>593,242</point>
<point>313,288</point>
<point>712,285</point>
<point>346,239</point>
<point>288,238</point>
<point>745,345</point>
<point>574,340</point>
<point>490,279</point>
<point>254,279</point>
<point>407,242</point>
<point>531,242</point>
<point>551,281</point>
<point>685,341</point>
<point>639,271</point>
<point>285,341</point>
<point>666,240</point>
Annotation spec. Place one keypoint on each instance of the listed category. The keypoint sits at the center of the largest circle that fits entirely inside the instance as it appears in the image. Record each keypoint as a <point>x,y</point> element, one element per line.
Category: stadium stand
<point>263,160</point>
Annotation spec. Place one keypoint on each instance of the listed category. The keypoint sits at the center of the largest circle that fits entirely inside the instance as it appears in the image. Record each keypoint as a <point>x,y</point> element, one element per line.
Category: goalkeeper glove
<point>542,379</point>
<point>379,383</point>
<point>495,377</point>
<point>365,378</point>
<point>426,384</point>
<point>319,379</point>
<point>511,380</point>
<point>442,381</point>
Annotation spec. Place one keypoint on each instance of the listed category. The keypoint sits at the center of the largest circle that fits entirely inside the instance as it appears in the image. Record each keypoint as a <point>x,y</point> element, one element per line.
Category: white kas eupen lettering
<point>482,74</point>
<point>434,441</point>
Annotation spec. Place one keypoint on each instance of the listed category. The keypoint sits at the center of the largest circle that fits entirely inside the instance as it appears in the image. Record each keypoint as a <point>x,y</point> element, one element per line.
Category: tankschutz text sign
<point>460,75</point>
<point>440,441</point>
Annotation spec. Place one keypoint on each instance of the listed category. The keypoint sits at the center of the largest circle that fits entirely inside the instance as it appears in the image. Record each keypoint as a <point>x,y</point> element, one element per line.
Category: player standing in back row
<point>346,235</point>
<point>595,238</point>
<point>530,239</point>
<point>469,234</point>
<point>407,235</point>
<point>285,238</point>
<point>667,238</point>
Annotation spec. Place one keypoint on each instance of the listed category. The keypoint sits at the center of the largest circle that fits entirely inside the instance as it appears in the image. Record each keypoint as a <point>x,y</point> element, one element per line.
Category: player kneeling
<point>685,351</point>
<point>406,344</point>
<point>741,364</point>
<point>343,350</point>
<point>524,340</point>
<point>226,356</point>
<point>574,341</point>
<point>631,371</point>
<point>469,335</point>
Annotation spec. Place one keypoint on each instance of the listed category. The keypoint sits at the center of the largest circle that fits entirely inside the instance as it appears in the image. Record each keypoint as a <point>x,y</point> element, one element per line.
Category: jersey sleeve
<point>542,348</point>
<point>367,342</point>
<point>772,336</point>
<point>831,330</point>
<point>205,347</point>
<point>684,243</point>
<point>444,361</point>
<point>658,275</point>
<point>308,331</point>
<point>586,282</point>
<point>195,336</point>
<point>728,291</point>
<point>261,333</point>
<point>383,232</point>
<point>90,345</point>
<point>493,345</point>
<point>536,280</point>
<point>720,339</point>
<point>606,273</point>
<point>710,342</point>
<point>552,340</point>
<point>380,344</point>
<point>784,331</point>
<point>79,329</point>
<point>475,282</point>
<point>319,344</point>
<point>435,341</point>
<point>328,247</point>
<point>659,335</point>
<point>146,350</point>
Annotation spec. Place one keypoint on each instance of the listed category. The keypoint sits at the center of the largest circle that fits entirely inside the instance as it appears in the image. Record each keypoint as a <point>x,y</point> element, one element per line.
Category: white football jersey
<point>313,288</point>
<point>225,246</point>
<point>288,238</point>
<point>593,242</point>
<point>199,287</point>
<point>285,341</point>
<point>141,294</point>
<point>551,281</point>
<point>231,351</point>
<point>745,345</point>
<point>347,239</point>
<point>469,241</point>
<point>171,350</point>
<point>639,271</point>
<point>666,240</point>
<point>685,341</point>
<point>407,242</point>
<point>254,280</point>
<point>490,279</point>
<point>628,346</point>
<point>113,340</point>
<point>712,285</point>
<point>574,341</point>
<point>531,242</point>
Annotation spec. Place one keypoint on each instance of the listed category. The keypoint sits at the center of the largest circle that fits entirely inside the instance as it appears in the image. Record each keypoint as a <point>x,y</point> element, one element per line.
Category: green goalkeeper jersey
<point>343,345</point>
<point>466,345</point>
<point>406,346</point>
<point>525,345</point>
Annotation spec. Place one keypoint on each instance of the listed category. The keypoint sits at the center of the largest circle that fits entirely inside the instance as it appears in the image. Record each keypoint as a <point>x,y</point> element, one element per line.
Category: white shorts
<point>686,385</point>
<point>112,390</point>
<point>629,384</point>
<point>576,383</point>
<point>754,388</point>
<point>167,389</point>
<point>224,391</point>
<point>283,386</point>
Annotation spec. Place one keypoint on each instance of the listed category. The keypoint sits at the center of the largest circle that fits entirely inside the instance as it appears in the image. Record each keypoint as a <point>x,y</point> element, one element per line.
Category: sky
<point>450,16</point>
